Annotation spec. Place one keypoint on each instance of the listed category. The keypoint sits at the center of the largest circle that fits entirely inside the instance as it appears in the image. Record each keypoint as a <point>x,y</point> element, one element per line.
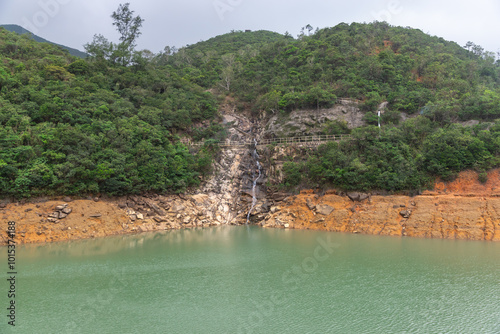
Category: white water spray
<point>255,155</point>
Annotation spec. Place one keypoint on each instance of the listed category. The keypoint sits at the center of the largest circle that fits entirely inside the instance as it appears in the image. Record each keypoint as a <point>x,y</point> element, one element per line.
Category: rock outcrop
<point>305,122</point>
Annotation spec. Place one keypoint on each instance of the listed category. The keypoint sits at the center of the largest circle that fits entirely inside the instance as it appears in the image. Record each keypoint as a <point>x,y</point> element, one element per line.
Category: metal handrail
<point>281,140</point>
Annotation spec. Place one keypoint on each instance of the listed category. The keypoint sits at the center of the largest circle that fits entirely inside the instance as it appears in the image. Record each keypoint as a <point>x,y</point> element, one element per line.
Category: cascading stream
<point>255,156</point>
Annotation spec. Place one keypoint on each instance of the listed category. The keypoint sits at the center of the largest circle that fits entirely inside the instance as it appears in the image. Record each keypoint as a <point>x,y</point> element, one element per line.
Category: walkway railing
<point>311,140</point>
<point>305,139</point>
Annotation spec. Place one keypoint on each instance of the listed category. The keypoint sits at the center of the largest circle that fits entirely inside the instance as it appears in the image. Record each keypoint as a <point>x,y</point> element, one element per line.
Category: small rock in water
<point>286,225</point>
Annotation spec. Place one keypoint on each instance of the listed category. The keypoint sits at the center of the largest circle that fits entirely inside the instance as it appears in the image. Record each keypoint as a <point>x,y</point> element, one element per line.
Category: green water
<point>253,280</point>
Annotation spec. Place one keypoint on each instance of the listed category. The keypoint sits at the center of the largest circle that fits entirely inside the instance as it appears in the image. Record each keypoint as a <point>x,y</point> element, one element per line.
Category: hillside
<point>20,30</point>
<point>73,126</point>
<point>423,85</point>
<point>374,62</point>
<point>236,40</point>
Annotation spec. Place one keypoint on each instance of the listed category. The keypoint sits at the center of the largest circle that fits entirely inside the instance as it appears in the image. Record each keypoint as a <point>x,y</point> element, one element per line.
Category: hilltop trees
<point>129,28</point>
<point>372,63</point>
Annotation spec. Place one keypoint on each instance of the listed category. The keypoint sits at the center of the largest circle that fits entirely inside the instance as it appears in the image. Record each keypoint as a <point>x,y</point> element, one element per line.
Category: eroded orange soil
<point>32,225</point>
<point>462,209</point>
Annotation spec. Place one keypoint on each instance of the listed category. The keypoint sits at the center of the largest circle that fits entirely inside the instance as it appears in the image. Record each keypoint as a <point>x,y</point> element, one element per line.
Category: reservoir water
<point>254,280</point>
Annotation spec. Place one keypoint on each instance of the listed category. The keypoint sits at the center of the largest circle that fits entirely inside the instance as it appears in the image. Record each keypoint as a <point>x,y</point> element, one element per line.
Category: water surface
<point>253,280</point>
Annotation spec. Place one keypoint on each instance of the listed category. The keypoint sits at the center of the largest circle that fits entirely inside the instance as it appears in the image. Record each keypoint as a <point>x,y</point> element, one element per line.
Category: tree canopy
<point>111,123</point>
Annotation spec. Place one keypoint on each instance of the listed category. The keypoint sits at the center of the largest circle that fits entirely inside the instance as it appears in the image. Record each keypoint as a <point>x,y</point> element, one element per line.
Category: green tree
<point>449,151</point>
<point>100,48</point>
<point>128,26</point>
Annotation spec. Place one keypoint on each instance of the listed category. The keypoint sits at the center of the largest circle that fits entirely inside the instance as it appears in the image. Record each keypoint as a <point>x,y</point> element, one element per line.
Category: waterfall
<point>379,118</point>
<point>255,156</point>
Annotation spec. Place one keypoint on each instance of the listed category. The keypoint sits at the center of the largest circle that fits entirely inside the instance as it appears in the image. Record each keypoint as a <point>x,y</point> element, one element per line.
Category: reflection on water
<point>109,245</point>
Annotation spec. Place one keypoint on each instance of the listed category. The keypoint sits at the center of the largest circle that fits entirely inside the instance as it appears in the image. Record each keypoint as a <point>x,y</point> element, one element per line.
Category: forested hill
<point>435,82</point>
<point>374,62</point>
<point>74,126</point>
<point>20,30</point>
<point>111,123</point>
<point>235,41</point>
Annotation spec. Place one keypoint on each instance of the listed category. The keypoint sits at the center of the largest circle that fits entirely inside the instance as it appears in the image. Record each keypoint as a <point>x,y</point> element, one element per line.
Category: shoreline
<point>449,216</point>
<point>428,216</point>
<point>463,209</point>
<point>46,221</point>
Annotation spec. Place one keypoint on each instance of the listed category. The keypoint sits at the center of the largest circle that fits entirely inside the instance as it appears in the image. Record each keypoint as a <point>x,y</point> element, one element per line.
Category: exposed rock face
<point>305,122</point>
<point>432,215</point>
<point>49,221</point>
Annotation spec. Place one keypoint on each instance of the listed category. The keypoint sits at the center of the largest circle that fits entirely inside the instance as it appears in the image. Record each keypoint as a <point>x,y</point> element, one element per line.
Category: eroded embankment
<point>440,216</point>
<point>66,219</point>
<point>463,209</point>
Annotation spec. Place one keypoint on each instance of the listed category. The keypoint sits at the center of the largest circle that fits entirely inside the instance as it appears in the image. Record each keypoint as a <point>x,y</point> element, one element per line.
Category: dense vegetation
<point>73,126</point>
<point>414,72</point>
<point>407,157</point>
<point>111,123</point>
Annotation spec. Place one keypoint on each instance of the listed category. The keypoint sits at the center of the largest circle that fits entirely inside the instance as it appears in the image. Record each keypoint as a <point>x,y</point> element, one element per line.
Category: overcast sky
<point>180,22</point>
